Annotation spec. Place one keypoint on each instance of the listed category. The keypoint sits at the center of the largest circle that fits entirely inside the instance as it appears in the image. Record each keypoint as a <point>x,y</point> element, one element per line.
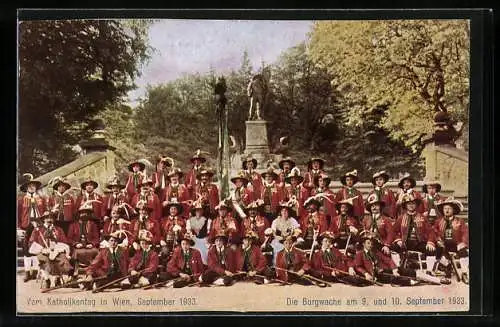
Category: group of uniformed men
<point>278,226</point>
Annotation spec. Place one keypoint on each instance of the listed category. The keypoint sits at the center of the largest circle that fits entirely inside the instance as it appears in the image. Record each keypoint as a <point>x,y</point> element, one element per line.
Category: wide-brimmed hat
<point>89,180</point>
<point>56,181</point>
<point>408,197</point>
<point>176,171</point>
<point>197,205</point>
<point>270,172</point>
<point>204,172</point>
<point>287,159</point>
<point>286,205</point>
<point>177,204</point>
<point>408,177</point>
<point>451,201</point>
<point>29,180</point>
<point>295,172</point>
<point>312,200</point>
<point>241,175</point>
<point>244,163</point>
<point>324,177</point>
<point>222,235</point>
<point>320,160</point>
<point>197,155</point>
<point>169,161</point>
<point>325,234</point>
<point>349,202</point>
<point>119,235</point>
<point>143,205</point>
<point>269,231</point>
<point>188,237</point>
<point>436,184</point>
<point>257,205</point>
<point>251,235</point>
<point>141,165</point>
<point>86,208</point>
<point>114,181</point>
<point>382,174</point>
<point>145,235</point>
<point>353,174</point>
<point>374,199</point>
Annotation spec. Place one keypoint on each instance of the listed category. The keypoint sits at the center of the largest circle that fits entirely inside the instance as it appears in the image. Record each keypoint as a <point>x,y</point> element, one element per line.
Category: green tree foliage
<point>415,67</point>
<point>69,71</point>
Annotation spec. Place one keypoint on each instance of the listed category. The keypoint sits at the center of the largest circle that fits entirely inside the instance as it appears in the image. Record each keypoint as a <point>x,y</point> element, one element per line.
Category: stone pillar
<point>257,144</point>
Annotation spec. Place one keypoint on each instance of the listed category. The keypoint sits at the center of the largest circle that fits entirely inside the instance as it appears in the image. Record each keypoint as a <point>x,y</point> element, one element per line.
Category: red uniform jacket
<point>310,176</point>
<point>299,261</point>
<point>66,209</point>
<point>150,263</point>
<point>363,264</point>
<point>359,206</point>
<point>179,192</point>
<point>386,195</point>
<point>168,223</point>
<point>102,262</point>
<point>243,195</point>
<point>191,180</point>
<point>416,195</point>
<point>209,193</point>
<point>153,201</point>
<point>160,181</point>
<point>97,206</point>
<point>339,261</point>
<point>338,230</point>
<point>150,224</point>
<point>259,226</point>
<point>231,228</point>
<point>276,193</point>
<point>328,205</point>
<point>24,204</point>
<point>460,230</point>
<point>90,230</point>
<point>318,220</point>
<point>111,200</point>
<point>383,226</point>
<point>424,231</point>
<point>214,260</point>
<point>176,263</point>
<point>281,179</point>
<point>38,236</point>
<point>429,203</point>
<point>133,183</point>
<point>301,193</point>
<point>255,180</point>
<point>257,259</point>
<point>111,226</point>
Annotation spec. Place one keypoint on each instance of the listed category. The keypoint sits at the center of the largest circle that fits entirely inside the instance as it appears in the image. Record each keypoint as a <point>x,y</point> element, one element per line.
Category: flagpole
<point>223,145</point>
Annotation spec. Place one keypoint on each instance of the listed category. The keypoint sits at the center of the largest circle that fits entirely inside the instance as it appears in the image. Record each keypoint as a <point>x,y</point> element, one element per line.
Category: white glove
<point>163,243</point>
<point>353,229</point>
<point>125,242</point>
<point>106,218</point>
<point>300,240</point>
<point>135,245</point>
<point>460,246</point>
<point>395,272</point>
<point>133,273</point>
<point>176,228</point>
<point>352,272</point>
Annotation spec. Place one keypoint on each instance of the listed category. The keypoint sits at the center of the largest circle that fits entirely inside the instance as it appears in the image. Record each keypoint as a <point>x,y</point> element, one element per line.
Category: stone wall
<point>448,165</point>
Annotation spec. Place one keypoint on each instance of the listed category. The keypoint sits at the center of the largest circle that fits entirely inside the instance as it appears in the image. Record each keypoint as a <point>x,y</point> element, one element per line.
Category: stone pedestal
<point>257,144</point>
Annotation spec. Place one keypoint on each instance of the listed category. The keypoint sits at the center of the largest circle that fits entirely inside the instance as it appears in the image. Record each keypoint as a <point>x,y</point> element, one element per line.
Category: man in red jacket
<point>88,193</point>
<point>83,237</point>
<point>206,190</point>
<point>160,176</point>
<point>144,222</point>
<point>224,223</point>
<point>111,263</point>
<point>185,265</point>
<point>430,200</point>
<point>413,232</point>
<point>135,178</point>
<point>255,221</point>
<point>116,197</point>
<point>176,191</point>
<point>329,264</point>
<point>292,260</point>
<point>407,186</point>
<point>452,235</point>
<point>344,227</point>
<point>294,189</point>
<point>321,186</point>
<point>249,259</point>
<point>348,191</point>
<point>379,225</point>
<point>314,169</point>
<point>221,263</point>
<point>385,194</point>
<point>62,203</point>
<point>312,224</point>
<point>143,265</point>
<point>146,194</point>
<point>191,177</point>
<point>286,165</point>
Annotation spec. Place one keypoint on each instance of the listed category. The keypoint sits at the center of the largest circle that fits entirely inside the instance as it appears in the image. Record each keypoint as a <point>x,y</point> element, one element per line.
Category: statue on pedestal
<point>446,130</point>
<point>257,90</point>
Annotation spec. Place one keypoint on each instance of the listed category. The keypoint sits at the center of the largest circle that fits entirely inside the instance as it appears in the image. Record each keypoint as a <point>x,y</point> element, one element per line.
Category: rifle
<point>355,276</point>
<point>314,241</point>
<point>316,281</point>
<point>155,285</point>
<point>76,282</point>
<point>114,282</point>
